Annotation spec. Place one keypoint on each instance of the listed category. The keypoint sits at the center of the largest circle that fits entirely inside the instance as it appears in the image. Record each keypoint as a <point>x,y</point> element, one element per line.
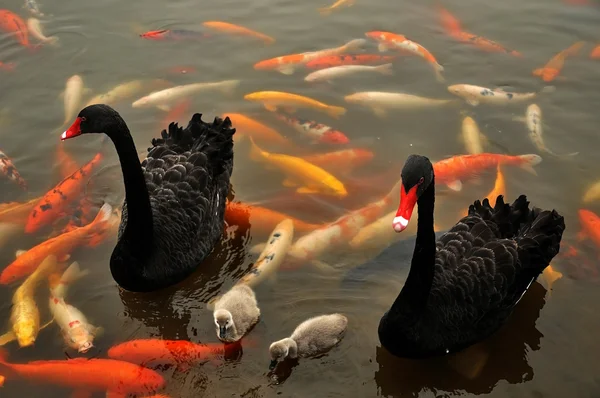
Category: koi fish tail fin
<point>325,11</point>
<point>385,69</point>
<point>73,273</point>
<point>449,21</point>
<point>99,223</point>
<point>336,111</point>
<point>528,161</point>
<point>439,70</point>
<point>256,153</point>
<point>538,72</point>
<point>229,87</point>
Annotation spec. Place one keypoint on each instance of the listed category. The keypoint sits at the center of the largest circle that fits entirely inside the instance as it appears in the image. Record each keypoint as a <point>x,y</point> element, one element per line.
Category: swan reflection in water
<point>502,357</point>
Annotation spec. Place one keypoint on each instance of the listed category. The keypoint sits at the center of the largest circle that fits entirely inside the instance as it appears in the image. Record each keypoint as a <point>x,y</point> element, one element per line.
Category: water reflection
<point>506,358</point>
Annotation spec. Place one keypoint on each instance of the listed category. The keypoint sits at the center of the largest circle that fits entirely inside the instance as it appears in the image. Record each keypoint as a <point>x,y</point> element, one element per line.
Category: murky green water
<point>550,347</point>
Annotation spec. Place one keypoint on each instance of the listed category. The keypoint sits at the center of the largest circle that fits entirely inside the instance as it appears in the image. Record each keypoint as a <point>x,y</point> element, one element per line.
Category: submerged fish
<point>329,61</point>
<point>10,171</point>
<point>56,201</point>
<point>25,315</point>
<point>337,5</point>
<point>287,64</point>
<point>33,7</point>
<point>163,99</point>
<point>595,54</point>
<point>472,137</point>
<point>328,74</point>
<point>552,69</point>
<point>246,126</point>
<point>380,102</point>
<point>35,28</point>
<point>272,100</point>
<point>389,40</point>
<point>272,255</point>
<point>174,34</point>
<point>300,174</point>
<point>77,332</point>
<point>152,352</point>
<point>230,28</point>
<point>317,132</point>
<point>13,24</point>
<point>475,95</point>
<point>342,161</point>
<point>499,189</point>
<point>452,170</point>
<point>16,212</point>
<point>533,119</point>
<point>73,95</point>
<point>7,66</point>
<point>590,226</point>
<point>61,246</point>
<point>591,194</point>
<point>82,374</point>
<point>125,91</point>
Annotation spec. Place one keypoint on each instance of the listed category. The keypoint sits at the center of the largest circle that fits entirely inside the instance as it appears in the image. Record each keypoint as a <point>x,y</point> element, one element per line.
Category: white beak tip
<point>63,135</point>
<point>399,224</point>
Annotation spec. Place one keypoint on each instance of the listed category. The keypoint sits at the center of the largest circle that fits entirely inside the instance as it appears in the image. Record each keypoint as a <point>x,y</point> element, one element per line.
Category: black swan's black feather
<point>173,214</point>
<point>482,268</point>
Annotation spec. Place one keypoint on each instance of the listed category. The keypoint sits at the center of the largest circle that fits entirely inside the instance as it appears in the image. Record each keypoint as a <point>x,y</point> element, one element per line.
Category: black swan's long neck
<point>413,298</point>
<point>139,229</point>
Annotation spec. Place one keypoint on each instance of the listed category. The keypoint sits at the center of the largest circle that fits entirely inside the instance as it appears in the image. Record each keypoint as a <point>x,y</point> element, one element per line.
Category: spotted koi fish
<point>57,200</point>
<point>316,131</point>
<point>9,170</point>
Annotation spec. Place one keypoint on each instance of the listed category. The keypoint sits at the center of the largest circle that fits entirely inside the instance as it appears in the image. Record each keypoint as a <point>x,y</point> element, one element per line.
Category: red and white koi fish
<point>341,231</point>
<point>452,170</point>
<point>287,64</point>
<point>316,131</point>
<point>10,171</point>
<point>78,333</point>
<point>388,40</point>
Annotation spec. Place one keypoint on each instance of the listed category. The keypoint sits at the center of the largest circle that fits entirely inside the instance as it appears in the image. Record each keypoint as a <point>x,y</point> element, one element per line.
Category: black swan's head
<point>97,118</point>
<point>417,175</point>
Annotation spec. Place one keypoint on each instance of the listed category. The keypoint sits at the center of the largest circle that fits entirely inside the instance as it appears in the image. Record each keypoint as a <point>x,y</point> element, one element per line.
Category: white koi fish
<point>164,98</point>
<point>381,102</point>
<point>328,74</point>
<point>272,255</point>
<point>475,95</point>
<point>73,95</point>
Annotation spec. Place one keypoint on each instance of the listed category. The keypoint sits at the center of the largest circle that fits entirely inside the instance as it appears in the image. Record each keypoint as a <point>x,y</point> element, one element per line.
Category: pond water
<point>548,349</point>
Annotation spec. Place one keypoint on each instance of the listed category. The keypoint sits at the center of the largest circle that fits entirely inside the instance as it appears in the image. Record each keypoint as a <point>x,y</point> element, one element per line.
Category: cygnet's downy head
<point>278,351</point>
<point>224,322</point>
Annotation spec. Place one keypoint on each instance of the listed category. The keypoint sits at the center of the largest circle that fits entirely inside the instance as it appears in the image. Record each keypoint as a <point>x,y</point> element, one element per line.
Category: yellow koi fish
<point>300,173</point>
<point>290,102</point>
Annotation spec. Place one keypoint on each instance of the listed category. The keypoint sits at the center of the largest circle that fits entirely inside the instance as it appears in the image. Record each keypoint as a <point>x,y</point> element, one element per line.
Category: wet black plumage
<point>175,202</point>
<point>463,287</point>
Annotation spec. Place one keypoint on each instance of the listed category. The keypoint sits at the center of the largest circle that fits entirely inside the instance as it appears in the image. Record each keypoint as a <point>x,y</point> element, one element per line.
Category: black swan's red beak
<point>72,131</point>
<point>407,205</point>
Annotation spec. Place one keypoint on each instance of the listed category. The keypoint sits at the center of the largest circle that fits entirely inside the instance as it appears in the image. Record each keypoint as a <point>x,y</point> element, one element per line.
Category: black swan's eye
<point>421,181</point>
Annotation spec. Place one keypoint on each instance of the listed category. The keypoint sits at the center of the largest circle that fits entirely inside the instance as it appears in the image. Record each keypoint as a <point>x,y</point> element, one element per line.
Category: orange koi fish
<point>174,34</point>
<point>552,69</point>
<point>9,170</point>
<point>7,66</point>
<point>388,41</point>
<point>590,226</point>
<point>331,61</point>
<point>316,131</point>
<point>451,171</point>
<point>454,29</point>
<point>230,28</point>
<point>60,246</point>
<point>595,54</point>
<point>246,126</point>
<point>287,64</point>
<point>330,236</point>
<point>152,352</point>
<point>261,219</point>
<point>94,375</point>
<point>12,23</point>
<point>56,201</point>
<point>499,189</point>
<point>15,212</point>
<point>343,161</point>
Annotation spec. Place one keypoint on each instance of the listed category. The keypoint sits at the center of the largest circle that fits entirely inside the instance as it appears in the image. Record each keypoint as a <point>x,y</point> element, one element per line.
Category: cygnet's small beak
<point>273,364</point>
<point>222,332</point>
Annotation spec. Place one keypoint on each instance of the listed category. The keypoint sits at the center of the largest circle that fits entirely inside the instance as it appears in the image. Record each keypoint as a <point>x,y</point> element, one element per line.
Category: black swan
<point>462,288</point>
<point>174,201</point>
